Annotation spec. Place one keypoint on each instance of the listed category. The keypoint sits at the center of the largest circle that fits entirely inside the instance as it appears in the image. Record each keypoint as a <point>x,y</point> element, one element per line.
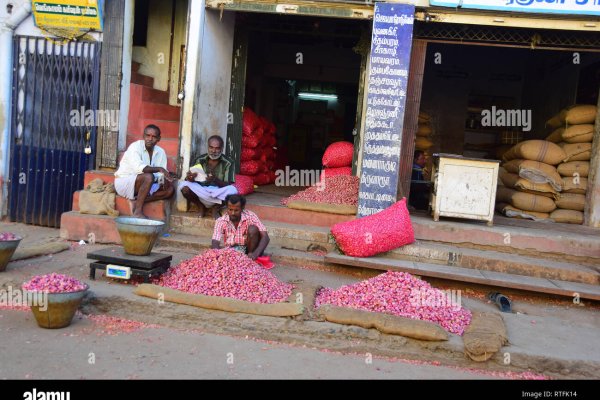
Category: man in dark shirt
<point>212,191</point>
<point>419,187</point>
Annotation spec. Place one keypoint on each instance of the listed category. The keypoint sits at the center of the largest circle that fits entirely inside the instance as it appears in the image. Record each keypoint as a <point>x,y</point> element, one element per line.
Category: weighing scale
<point>118,264</point>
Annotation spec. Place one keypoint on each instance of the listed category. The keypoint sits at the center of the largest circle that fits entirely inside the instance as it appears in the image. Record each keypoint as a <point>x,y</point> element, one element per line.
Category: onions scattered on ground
<point>226,273</point>
<point>54,283</point>
<point>339,189</point>
<point>401,294</point>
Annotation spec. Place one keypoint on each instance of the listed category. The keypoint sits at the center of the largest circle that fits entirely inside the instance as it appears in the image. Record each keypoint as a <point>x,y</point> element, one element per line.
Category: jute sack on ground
<point>581,114</point>
<point>98,199</point>
<point>567,216</point>
<point>525,201</point>
<point>571,201</point>
<point>513,212</point>
<point>485,336</point>
<point>574,185</point>
<point>344,209</point>
<point>516,182</point>
<point>556,135</point>
<point>538,172</point>
<point>569,169</point>
<point>422,143</point>
<point>579,133</point>
<point>386,323</point>
<point>424,130</point>
<point>577,151</point>
<point>536,150</point>
<point>218,303</point>
<point>557,120</point>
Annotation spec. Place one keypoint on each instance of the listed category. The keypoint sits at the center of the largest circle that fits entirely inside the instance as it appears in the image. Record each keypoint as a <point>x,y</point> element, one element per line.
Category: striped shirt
<point>236,236</point>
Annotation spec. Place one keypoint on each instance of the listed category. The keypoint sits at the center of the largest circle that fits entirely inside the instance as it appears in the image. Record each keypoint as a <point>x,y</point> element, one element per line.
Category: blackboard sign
<point>386,97</point>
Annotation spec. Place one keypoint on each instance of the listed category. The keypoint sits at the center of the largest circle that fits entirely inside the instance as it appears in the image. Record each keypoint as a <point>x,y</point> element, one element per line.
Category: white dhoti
<point>125,187</point>
<point>209,195</point>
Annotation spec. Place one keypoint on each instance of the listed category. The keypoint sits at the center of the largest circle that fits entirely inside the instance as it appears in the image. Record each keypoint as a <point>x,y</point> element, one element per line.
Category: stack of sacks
<point>424,131</point>
<point>258,152</point>
<point>337,159</point>
<point>573,131</point>
<point>531,183</point>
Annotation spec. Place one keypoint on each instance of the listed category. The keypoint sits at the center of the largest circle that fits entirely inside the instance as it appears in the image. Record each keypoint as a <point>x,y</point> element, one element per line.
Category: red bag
<point>250,142</point>
<point>265,261</point>
<point>258,133</point>
<point>249,167</point>
<point>336,171</point>
<point>248,154</point>
<point>261,179</point>
<point>244,184</point>
<point>249,121</point>
<point>338,154</point>
<point>377,233</point>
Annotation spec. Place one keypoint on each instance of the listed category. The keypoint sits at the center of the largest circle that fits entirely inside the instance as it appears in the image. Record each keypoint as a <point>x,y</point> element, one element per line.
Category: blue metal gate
<point>54,118</point>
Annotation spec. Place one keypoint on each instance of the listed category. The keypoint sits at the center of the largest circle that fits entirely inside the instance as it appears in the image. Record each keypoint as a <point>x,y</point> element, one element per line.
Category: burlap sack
<point>525,201</point>
<point>557,120</point>
<point>578,133</point>
<point>523,185</point>
<point>569,169</point>
<point>501,171</point>
<point>538,172</point>
<point>424,130</point>
<point>513,212</point>
<point>422,143</point>
<point>98,199</point>
<point>536,150</point>
<point>485,336</point>
<point>556,135</point>
<point>581,114</point>
<point>502,150</point>
<point>571,201</point>
<point>577,151</point>
<point>574,185</point>
<point>567,216</point>
<point>512,166</point>
<point>504,194</point>
<point>424,117</point>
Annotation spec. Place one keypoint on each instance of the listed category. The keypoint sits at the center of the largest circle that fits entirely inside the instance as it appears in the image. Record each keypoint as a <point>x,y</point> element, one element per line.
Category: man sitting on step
<point>240,229</point>
<point>214,185</point>
<point>142,176</point>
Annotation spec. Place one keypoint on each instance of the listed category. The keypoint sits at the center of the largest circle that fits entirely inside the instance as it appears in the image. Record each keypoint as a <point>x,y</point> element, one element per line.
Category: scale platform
<point>119,264</point>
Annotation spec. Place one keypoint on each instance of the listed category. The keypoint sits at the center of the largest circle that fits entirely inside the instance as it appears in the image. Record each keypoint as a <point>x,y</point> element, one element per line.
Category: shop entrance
<point>302,74</point>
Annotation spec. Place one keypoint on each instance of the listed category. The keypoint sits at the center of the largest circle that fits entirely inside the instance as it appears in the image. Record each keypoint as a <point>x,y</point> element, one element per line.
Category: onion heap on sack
<point>338,189</point>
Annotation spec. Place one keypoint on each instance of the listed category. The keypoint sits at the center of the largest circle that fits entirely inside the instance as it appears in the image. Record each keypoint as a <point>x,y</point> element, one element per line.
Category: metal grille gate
<point>55,101</point>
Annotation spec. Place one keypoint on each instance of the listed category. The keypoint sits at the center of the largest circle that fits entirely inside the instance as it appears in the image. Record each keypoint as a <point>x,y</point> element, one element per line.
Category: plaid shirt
<point>238,236</point>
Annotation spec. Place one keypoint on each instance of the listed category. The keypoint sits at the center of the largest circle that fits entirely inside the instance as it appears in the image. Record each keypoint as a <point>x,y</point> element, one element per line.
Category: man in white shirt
<point>142,176</point>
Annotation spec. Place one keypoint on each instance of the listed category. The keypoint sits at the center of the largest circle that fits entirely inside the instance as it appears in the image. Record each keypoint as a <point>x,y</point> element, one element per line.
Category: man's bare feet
<point>139,215</point>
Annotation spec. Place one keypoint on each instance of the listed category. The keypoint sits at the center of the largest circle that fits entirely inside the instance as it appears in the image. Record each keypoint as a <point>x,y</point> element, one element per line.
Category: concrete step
<point>289,236</point>
<point>152,95</point>
<point>140,79</point>
<point>100,228</point>
<point>135,66</point>
<point>489,278</point>
<point>161,112</point>
<point>299,217</point>
<point>435,253</point>
<point>154,210</point>
<point>106,176</point>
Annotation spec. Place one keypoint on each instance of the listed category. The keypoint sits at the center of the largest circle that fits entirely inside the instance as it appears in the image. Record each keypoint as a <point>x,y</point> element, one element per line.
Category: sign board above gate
<point>73,14</point>
<point>573,7</point>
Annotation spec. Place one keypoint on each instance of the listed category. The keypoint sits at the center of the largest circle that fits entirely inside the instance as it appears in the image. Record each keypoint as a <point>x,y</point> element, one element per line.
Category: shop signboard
<point>575,7</point>
<point>85,15</point>
<point>386,98</point>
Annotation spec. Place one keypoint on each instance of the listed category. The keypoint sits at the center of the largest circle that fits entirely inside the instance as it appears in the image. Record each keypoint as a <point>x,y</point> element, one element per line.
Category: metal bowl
<point>138,235</point>
<point>54,310</point>
<point>7,249</point>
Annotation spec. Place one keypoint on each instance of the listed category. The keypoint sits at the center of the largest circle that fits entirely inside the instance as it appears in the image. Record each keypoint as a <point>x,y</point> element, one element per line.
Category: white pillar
<point>128,21</point>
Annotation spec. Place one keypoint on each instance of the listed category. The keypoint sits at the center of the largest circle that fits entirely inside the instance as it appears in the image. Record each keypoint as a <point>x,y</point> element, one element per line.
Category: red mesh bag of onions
<point>244,184</point>
<point>377,233</point>
<point>338,154</point>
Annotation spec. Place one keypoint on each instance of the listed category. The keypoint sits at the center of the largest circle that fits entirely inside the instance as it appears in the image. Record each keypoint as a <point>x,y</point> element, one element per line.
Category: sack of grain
<point>579,133</point>
<point>536,150</point>
<point>581,114</point>
<point>501,171</point>
<point>525,201</point>
<point>567,216</point>
<point>424,130</point>
<point>571,201</point>
<point>513,166</point>
<point>571,168</point>
<point>422,143</point>
<point>556,136</point>
<point>574,185</point>
<point>514,181</point>
<point>538,172</point>
<point>513,212</point>
<point>557,120</point>
<point>502,150</point>
<point>577,151</point>
<point>504,194</point>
